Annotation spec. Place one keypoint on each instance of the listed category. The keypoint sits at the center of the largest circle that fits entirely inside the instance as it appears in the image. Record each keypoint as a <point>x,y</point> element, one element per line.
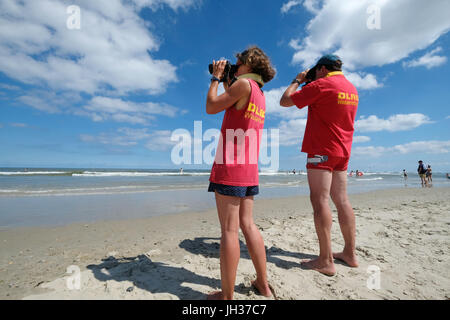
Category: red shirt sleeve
<point>306,96</point>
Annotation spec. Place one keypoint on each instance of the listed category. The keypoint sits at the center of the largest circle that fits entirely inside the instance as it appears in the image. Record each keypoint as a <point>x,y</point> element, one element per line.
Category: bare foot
<point>262,289</point>
<point>215,295</point>
<point>324,268</point>
<point>350,260</point>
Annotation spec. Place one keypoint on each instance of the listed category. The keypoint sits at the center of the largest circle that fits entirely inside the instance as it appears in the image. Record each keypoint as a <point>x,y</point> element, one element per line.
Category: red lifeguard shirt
<point>332,101</point>
<point>236,161</point>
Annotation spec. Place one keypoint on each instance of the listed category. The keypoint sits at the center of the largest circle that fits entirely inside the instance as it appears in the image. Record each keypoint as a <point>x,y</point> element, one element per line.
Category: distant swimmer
<point>351,173</point>
<point>359,173</point>
<point>293,171</point>
<point>428,174</point>
<point>181,171</point>
<point>448,176</point>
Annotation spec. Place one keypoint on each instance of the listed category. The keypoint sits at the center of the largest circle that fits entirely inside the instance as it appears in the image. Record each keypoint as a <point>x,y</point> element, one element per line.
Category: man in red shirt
<point>332,103</point>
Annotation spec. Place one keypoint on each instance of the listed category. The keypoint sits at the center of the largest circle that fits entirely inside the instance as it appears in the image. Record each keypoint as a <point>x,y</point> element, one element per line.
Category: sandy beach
<point>402,233</point>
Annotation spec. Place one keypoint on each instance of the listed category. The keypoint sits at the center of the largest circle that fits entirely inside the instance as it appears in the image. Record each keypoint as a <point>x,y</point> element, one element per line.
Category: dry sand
<point>403,233</point>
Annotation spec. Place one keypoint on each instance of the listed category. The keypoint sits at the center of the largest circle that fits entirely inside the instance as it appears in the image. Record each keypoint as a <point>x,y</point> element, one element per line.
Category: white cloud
<point>273,107</point>
<point>124,137</point>
<point>289,5</point>
<point>174,4</point>
<point>40,103</point>
<point>429,60</point>
<point>160,141</point>
<point>291,132</point>
<point>100,108</point>
<point>5,86</point>
<point>370,151</point>
<point>295,44</point>
<point>123,117</point>
<point>128,137</point>
<point>104,108</point>
<point>220,89</point>
<point>312,5</point>
<point>109,52</point>
<point>111,55</point>
<point>134,134</point>
<point>106,139</point>
<point>110,105</point>
<point>360,139</point>
<point>422,147</point>
<point>362,80</point>
<point>398,122</point>
<point>341,27</point>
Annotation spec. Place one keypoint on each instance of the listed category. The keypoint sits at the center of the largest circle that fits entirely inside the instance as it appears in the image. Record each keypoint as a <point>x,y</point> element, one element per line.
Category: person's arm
<point>216,104</point>
<point>286,100</point>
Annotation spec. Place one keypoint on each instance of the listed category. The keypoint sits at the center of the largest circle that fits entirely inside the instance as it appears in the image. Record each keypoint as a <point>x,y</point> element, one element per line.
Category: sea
<point>60,196</point>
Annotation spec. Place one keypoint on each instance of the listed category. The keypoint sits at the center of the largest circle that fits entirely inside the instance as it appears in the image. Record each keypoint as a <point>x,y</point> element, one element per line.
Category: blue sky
<point>111,93</point>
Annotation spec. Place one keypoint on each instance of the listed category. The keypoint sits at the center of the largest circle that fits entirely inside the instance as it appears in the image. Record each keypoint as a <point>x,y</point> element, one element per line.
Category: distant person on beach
<point>428,174</point>
<point>235,185</point>
<point>293,171</point>
<point>421,170</point>
<point>405,175</point>
<point>447,175</point>
<point>332,103</point>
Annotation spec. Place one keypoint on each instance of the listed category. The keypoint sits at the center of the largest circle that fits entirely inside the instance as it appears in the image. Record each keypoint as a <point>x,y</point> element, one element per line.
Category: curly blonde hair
<point>258,61</point>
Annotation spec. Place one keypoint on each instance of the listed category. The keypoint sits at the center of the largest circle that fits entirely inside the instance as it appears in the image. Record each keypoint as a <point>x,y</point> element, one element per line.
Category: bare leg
<point>255,245</point>
<point>228,210</point>
<point>424,181</point>
<point>319,184</point>
<point>346,218</point>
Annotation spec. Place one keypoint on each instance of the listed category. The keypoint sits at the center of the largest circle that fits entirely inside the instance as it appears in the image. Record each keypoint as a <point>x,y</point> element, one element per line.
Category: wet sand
<point>403,236</point>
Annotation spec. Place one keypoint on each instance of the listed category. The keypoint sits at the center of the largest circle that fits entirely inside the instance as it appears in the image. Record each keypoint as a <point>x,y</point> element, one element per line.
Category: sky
<point>106,83</point>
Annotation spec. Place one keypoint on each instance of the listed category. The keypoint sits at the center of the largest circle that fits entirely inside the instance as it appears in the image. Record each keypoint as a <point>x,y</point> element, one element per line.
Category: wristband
<point>214,78</point>
<point>297,81</point>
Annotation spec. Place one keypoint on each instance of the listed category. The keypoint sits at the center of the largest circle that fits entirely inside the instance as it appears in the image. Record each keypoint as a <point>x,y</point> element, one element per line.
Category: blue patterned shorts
<point>233,191</point>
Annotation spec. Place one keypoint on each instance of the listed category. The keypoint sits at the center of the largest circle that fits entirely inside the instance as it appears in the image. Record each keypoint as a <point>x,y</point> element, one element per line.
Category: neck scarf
<point>252,76</point>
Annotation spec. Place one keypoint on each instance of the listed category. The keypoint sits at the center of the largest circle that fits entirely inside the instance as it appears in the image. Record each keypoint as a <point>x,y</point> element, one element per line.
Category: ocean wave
<point>370,179</point>
<point>137,174</point>
<point>36,173</point>
<point>271,173</point>
<point>87,173</point>
<point>97,190</point>
<point>282,173</point>
<point>382,173</point>
<point>80,173</point>
<point>75,190</point>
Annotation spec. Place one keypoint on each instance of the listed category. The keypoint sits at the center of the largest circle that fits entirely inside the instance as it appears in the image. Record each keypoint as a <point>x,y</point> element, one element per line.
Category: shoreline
<point>51,210</point>
<point>175,256</point>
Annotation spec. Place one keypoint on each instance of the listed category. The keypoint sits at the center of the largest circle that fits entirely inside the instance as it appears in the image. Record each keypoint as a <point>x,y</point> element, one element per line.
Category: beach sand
<point>402,233</point>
